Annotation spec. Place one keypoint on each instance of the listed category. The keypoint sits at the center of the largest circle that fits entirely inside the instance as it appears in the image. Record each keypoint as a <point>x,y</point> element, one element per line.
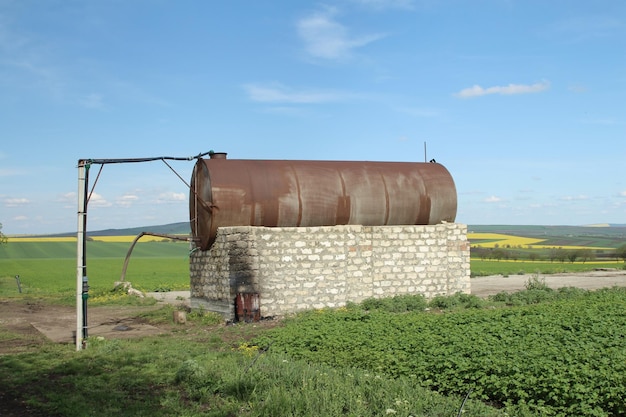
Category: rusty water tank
<point>285,193</point>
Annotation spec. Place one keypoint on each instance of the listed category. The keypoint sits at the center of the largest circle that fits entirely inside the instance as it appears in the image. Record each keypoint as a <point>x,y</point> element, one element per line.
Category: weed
<point>536,283</point>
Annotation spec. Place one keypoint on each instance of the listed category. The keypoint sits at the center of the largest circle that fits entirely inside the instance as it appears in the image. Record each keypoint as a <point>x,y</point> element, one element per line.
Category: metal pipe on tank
<point>239,192</point>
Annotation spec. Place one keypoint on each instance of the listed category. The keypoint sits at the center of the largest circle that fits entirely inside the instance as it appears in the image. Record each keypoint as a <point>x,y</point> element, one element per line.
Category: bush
<point>396,304</point>
<point>558,358</point>
<point>458,300</point>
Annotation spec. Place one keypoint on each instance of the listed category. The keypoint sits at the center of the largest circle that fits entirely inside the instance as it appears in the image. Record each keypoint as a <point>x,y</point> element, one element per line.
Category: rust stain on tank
<point>241,192</point>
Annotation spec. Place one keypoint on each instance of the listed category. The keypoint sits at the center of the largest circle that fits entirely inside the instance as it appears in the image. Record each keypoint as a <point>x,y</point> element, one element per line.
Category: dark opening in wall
<point>247,307</point>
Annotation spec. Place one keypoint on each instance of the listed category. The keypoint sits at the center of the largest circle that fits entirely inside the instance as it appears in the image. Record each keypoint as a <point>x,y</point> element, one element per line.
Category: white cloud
<point>126,200</point>
<point>477,90</point>
<point>325,38</point>
<point>622,193</point>
<point>96,200</point>
<point>574,198</point>
<point>278,93</point>
<point>492,199</point>
<point>386,4</point>
<point>171,197</point>
<point>69,200</point>
<point>20,218</point>
<point>16,202</point>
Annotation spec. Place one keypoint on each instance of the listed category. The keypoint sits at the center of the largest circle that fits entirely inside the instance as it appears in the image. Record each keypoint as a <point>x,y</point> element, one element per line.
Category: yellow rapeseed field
<point>490,240</point>
<point>129,239</point>
<point>41,239</point>
<point>123,239</point>
<point>502,240</point>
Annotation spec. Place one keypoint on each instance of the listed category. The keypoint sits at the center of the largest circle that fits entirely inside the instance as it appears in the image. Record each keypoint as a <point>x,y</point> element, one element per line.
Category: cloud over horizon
<point>325,38</point>
<point>278,93</point>
<point>477,91</point>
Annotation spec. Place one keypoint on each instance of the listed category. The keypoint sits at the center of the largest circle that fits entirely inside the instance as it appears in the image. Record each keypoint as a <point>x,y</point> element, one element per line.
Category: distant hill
<point>605,229</point>
<point>542,232</point>
<point>181,228</point>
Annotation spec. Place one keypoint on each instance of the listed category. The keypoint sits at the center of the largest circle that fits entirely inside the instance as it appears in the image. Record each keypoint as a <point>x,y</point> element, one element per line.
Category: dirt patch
<point>28,324</point>
<point>592,280</point>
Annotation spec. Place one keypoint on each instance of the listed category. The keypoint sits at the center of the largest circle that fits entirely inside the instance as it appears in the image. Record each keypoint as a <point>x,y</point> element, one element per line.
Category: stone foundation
<point>300,268</point>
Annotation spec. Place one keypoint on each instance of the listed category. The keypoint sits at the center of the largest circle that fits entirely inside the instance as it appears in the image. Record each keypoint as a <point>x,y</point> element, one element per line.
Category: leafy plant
<point>559,357</point>
<point>396,304</point>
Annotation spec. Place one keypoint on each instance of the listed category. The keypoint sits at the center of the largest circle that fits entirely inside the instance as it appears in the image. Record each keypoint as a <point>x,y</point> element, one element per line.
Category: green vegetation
<point>49,268</point>
<point>564,244</point>
<point>562,356</point>
<point>534,352</point>
<point>485,267</point>
<point>67,250</point>
<point>558,354</point>
<point>507,250</point>
<point>569,235</point>
<point>198,373</point>
<point>58,276</point>
<point>621,252</point>
<point>3,238</point>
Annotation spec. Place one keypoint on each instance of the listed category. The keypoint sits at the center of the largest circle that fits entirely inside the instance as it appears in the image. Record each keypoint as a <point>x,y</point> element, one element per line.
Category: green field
<point>535,352</point>
<point>67,250</point>
<point>51,267</point>
<point>46,267</point>
<point>490,267</point>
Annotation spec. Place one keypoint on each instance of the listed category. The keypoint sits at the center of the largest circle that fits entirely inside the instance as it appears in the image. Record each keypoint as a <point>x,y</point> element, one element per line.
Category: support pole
<point>82,284</point>
<point>81,262</point>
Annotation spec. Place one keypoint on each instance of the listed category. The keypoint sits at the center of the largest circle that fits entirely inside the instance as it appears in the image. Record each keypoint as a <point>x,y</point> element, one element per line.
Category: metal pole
<point>81,263</point>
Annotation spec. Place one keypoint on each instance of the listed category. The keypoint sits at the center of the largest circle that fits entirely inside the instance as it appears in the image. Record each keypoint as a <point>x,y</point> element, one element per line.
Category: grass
<point>58,276</point>
<point>207,371</point>
<point>95,249</point>
<point>491,267</point>
<point>555,354</point>
<point>203,368</point>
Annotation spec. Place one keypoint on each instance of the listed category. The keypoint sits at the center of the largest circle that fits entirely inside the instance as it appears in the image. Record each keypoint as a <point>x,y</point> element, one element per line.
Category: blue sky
<point>522,100</point>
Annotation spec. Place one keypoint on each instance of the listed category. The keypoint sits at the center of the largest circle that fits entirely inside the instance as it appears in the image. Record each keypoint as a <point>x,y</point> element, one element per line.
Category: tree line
<point>556,254</point>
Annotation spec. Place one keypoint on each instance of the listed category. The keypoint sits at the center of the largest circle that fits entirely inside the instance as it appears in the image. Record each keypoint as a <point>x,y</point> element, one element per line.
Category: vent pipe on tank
<point>217,155</point>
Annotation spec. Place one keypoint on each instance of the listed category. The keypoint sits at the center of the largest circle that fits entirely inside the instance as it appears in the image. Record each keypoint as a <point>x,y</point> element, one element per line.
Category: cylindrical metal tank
<point>240,192</point>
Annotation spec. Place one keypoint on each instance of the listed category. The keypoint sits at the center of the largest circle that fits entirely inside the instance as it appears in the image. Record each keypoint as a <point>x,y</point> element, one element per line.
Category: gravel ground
<point>485,286</point>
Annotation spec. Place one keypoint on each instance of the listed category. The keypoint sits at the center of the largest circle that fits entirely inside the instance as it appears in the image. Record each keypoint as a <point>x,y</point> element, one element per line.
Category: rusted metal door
<point>247,307</point>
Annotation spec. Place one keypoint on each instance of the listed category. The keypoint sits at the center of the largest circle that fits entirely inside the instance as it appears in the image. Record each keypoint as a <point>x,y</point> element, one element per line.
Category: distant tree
<point>572,255</point>
<point>621,252</point>
<point>480,252</point>
<point>533,256</point>
<point>498,254</point>
<point>3,238</point>
<point>561,255</point>
<point>553,254</point>
<point>586,255</point>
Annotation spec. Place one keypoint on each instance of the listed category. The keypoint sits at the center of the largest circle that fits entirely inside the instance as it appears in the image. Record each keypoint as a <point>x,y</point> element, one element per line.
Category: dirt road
<point>484,286</point>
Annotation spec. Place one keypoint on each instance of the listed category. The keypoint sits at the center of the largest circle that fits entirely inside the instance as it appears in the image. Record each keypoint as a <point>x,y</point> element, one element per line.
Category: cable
<point>157,158</point>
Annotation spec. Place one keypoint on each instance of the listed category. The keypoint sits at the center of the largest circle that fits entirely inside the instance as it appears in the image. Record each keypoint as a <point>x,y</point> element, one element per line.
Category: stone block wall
<point>299,268</point>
